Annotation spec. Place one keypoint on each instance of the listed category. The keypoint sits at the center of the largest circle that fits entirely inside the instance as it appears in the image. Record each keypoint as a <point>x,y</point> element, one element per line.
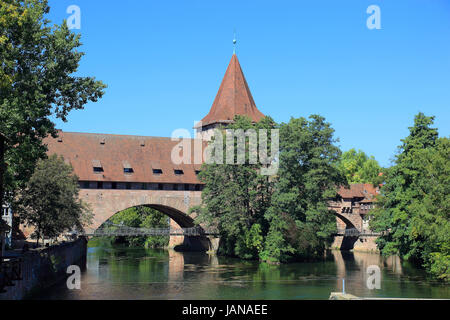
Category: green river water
<point>115,272</point>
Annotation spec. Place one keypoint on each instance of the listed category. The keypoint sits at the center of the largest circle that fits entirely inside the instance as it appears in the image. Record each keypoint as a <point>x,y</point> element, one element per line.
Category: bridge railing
<point>354,232</point>
<point>129,231</point>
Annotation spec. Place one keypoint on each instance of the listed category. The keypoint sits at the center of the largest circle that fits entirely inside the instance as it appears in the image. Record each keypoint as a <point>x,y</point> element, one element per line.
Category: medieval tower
<point>233,98</point>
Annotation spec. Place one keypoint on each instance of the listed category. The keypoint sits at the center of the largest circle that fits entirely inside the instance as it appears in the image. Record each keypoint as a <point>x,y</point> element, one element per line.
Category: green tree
<point>359,168</point>
<point>301,225</point>
<point>414,203</point>
<point>36,83</point>
<point>143,217</point>
<point>50,202</point>
<point>235,197</point>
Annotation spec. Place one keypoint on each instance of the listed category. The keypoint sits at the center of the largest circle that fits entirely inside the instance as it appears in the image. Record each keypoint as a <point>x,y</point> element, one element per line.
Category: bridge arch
<point>350,220</point>
<point>175,204</point>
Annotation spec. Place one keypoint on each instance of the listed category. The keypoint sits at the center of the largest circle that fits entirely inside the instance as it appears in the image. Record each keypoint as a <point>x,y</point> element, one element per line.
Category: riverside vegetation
<point>286,217</point>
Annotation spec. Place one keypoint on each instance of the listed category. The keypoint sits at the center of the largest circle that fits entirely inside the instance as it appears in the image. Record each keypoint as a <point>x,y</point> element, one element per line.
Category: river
<point>115,272</point>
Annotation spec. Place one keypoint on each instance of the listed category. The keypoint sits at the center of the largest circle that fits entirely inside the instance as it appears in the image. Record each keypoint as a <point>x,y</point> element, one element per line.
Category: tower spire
<point>233,98</point>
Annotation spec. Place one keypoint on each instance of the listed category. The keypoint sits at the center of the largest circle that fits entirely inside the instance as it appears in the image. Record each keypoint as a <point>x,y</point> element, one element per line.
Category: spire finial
<point>234,42</point>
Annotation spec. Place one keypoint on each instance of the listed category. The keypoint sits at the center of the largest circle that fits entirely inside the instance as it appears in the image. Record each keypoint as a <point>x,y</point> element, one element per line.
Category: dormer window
<point>127,168</point>
<point>178,171</point>
<point>97,166</point>
<point>156,167</point>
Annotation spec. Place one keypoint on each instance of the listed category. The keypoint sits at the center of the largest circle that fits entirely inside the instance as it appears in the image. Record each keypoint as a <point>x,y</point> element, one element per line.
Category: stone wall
<point>175,240</point>
<point>42,268</point>
<point>362,243</point>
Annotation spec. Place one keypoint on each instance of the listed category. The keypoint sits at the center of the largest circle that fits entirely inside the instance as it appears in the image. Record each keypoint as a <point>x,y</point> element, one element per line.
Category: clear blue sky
<point>163,62</point>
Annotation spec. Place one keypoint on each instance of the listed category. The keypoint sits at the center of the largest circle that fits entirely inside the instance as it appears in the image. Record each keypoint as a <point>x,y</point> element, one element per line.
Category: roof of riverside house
<point>115,153</point>
<point>233,98</point>
<point>359,190</point>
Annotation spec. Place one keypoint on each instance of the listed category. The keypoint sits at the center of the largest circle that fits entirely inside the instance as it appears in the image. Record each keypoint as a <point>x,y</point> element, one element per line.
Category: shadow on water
<point>117,272</point>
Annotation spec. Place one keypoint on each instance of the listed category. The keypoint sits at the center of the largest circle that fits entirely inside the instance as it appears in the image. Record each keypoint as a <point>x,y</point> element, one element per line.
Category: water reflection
<point>135,273</point>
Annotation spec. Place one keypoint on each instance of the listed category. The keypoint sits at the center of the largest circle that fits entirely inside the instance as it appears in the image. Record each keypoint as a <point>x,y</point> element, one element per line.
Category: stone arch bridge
<point>105,203</point>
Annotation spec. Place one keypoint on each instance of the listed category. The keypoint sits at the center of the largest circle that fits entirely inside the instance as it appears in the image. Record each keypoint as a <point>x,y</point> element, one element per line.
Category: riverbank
<point>44,267</point>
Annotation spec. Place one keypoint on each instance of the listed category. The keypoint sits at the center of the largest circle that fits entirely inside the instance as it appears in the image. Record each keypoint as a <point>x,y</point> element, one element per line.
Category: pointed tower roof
<point>233,98</point>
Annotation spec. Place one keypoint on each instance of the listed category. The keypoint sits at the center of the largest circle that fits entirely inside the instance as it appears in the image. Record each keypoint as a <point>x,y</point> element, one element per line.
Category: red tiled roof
<point>358,190</point>
<point>85,150</point>
<point>233,98</point>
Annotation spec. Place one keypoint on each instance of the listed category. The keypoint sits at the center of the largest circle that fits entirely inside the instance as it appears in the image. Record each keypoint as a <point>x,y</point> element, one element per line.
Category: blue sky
<point>163,62</point>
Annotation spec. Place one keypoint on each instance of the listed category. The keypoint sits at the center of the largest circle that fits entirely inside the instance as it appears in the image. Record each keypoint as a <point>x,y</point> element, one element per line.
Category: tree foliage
<point>36,82</point>
<point>359,168</point>
<point>275,217</point>
<point>143,217</point>
<point>301,225</point>
<point>50,202</point>
<point>414,203</point>
<point>236,196</point>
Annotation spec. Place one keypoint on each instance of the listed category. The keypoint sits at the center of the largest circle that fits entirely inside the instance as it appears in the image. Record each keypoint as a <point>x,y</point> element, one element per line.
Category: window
<point>114,185</point>
<point>85,185</point>
<point>178,171</point>
<point>198,187</point>
<point>99,185</point>
<point>144,186</point>
<point>160,186</point>
<point>128,170</point>
<point>157,171</point>
<point>128,185</point>
<point>174,186</point>
<point>197,172</point>
<point>97,166</point>
<point>186,187</point>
